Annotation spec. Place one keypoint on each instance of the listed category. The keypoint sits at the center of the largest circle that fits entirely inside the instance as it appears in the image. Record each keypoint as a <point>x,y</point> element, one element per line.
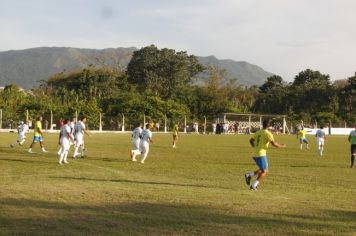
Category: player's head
<point>72,119</point>
<point>147,126</point>
<point>83,119</point>
<point>39,118</point>
<point>21,123</point>
<point>321,126</point>
<point>139,124</point>
<point>265,124</point>
<point>67,121</point>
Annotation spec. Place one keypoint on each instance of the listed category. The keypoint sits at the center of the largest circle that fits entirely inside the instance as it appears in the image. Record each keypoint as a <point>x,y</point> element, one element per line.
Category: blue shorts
<point>261,162</point>
<point>303,140</point>
<point>37,139</point>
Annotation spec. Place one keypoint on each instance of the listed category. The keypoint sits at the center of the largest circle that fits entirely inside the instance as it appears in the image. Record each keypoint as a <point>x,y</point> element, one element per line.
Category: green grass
<point>196,189</point>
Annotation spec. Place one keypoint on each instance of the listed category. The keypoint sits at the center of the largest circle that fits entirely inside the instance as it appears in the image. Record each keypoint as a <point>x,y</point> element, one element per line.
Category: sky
<point>281,36</point>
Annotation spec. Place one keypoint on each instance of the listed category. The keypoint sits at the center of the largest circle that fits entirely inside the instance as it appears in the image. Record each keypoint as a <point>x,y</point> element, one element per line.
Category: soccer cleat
<point>44,151</point>
<point>65,162</point>
<point>253,188</point>
<point>30,151</point>
<point>134,160</point>
<point>248,179</point>
<point>12,146</point>
<point>142,162</point>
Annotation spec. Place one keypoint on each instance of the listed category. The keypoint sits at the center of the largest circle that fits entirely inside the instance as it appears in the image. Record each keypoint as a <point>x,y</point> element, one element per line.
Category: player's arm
<point>87,132</point>
<point>278,145</point>
<point>252,142</point>
<point>60,136</point>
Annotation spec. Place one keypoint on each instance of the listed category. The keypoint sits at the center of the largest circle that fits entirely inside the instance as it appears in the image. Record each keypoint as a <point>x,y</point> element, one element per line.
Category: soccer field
<point>197,188</point>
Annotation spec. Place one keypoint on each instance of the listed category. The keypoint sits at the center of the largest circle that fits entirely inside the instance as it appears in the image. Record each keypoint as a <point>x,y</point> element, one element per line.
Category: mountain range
<point>28,67</point>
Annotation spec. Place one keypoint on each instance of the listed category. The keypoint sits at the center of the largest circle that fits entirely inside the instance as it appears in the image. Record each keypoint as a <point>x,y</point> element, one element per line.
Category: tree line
<point>159,83</point>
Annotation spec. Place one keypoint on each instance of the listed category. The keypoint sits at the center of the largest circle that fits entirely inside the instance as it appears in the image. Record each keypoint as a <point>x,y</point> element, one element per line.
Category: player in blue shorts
<point>260,142</point>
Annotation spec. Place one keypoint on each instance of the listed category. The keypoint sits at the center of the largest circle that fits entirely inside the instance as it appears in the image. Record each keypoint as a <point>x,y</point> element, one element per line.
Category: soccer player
<point>320,139</point>
<point>72,130</point>
<point>145,142</point>
<point>175,135</point>
<point>22,129</point>
<point>352,140</point>
<point>38,135</point>
<point>136,138</point>
<point>80,130</point>
<point>260,142</point>
<point>301,134</point>
<point>65,137</point>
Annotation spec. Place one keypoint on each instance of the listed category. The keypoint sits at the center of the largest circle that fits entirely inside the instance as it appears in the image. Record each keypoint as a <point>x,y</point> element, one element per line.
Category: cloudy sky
<point>282,36</point>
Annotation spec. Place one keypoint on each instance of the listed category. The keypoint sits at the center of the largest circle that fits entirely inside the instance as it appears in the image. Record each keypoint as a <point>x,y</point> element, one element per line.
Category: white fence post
<point>123,123</point>
<point>100,124</point>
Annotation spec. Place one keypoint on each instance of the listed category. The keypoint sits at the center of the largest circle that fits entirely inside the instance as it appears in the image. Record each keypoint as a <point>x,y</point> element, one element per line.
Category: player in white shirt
<point>71,125</point>
<point>320,140</point>
<point>146,139</point>
<point>136,137</point>
<point>80,130</point>
<point>65,137</point>
<point>22,129</point>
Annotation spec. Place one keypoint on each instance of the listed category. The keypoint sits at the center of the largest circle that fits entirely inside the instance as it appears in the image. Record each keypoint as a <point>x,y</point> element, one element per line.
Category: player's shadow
<point>24,216</point>
<point>17,160</point>
<point>139,182</point>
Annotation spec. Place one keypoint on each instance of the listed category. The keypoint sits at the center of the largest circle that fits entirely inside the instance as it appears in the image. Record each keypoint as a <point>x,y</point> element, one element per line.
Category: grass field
<point>196,189</point>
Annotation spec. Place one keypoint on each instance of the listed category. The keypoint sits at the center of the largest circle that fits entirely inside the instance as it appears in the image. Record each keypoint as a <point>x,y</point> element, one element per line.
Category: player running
<point>320,140</point>
<point>65,137</point>
<point>352,140</point>
<point>145,142</point>
<point>79,131</point>
<point>260,142</point>
<point>302,138</point>
<point>136,137</point>
<point>22,129</point>
<point>175,135</point>
<point>38,135</point>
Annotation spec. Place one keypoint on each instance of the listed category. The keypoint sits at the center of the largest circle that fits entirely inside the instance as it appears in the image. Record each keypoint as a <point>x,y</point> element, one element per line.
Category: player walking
<point>22,129</point>
<point>38,135</point>
<point>80,130</point>
<point>260,142</point>
<point>352,140</point>
<point>136,137</point>
<point>302,138</point>
<point>175,135</point>
<point>320,140</point>
<point>65,137</point>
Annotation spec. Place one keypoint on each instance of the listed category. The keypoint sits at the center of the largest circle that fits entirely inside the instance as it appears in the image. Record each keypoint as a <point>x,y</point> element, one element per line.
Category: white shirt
<point>79,127</point>
<point>146,135</point>
<point>65,132</point>
<point>136,133</point>
<point>23,129</point>
<point>320,133</point>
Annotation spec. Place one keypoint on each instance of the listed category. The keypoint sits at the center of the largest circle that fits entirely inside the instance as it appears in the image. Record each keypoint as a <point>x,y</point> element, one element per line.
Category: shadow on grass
<point>140,218</point>
<point>139,182</point>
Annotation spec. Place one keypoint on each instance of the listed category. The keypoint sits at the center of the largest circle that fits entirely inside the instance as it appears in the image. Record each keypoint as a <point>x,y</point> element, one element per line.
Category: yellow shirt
<point>175,130</point>
<point>302,133</point>
<point>38,127</point>
<point>262,139</point>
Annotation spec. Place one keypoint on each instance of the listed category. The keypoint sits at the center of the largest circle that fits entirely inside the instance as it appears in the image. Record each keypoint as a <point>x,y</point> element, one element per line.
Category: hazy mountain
<point>27,67</point>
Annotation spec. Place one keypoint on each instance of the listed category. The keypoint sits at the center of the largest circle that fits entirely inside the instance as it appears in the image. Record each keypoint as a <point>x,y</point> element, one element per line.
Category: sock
<point>301,146</point>
<point>43,149</point>
<point>65,156</point>
<point>82,151</point>
<point>61,157</point>
<point>352,160</point>
<point>255,183</point>
<point>75,152</point>
<point>30,150</point>
<point>251,174</point>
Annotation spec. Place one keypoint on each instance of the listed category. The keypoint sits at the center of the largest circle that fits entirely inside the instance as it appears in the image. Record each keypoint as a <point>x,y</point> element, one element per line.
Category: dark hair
<point>66,120</point>
<point>147,126</point>
<point>72,119</point>
<point>83,117</point>
<point>265,124</point>
<point>321,126</point>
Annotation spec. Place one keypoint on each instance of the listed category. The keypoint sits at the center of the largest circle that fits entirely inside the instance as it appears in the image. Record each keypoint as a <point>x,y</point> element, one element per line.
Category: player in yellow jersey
<point>301,134</point>
<point>175,135</point>
<point>38,135</point>
<point>260,142</point>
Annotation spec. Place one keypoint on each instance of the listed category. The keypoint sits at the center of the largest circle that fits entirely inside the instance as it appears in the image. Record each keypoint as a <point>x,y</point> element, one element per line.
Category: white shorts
<point>79,139</point>
<point>20,138</point>
<point>65,145</point>
<point>136,144</point>
<point>144,147</point>
<point>320,141</point>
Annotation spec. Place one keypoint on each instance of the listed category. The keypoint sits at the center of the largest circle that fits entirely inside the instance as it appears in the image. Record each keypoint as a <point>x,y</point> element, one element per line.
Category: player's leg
<point>34,141</point>
<point>307,143</point>
<point>301,143</point>
<point>262,163</point>
<point>353,154</point>
<point>145,151</point>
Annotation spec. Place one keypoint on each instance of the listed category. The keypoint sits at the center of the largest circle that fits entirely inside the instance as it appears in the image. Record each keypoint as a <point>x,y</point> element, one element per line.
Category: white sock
<point>82,151</point>
<point>75,152</point>
<point>61,157</point>
<point>301,146</point>
<point>43,149</point>
<point>251,174</point>
<point>30,150</point>
<point>65,156</point>
<point>255,183</point>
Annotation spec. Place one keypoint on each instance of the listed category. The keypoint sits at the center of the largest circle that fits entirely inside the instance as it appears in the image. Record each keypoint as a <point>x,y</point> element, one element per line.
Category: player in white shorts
<point>65,137</point>
<point>22,129</point>
<point>320,140</point>
<point>80,130</point>
<point>71,125</point>
<point>145,142</point>
<point>136,138</point>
